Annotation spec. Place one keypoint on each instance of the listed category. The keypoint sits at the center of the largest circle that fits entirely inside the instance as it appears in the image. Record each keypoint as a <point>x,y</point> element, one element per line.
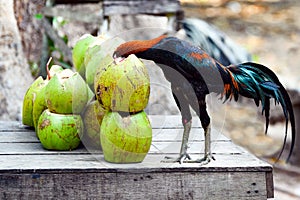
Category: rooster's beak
<point>117,59</point>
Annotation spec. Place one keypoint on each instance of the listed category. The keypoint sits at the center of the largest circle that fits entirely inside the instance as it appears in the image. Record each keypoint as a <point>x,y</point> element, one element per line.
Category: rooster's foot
<point>180,159</point>
<point>202,161</point>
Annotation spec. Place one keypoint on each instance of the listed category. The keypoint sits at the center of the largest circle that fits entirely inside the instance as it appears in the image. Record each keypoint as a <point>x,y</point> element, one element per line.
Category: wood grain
<point>29,171</point>
<point>140,6</point>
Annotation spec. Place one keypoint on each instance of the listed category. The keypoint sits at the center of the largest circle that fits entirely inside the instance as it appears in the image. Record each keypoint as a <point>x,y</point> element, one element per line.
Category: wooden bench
<point>294,93</point>
<point>27,171</point>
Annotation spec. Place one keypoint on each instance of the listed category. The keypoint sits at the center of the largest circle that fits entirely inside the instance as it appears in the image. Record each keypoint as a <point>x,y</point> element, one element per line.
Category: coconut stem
<point>47,68</point>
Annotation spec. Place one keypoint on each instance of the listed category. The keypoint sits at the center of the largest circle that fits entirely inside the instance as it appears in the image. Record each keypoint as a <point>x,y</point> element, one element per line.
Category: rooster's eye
<point>115,55</point>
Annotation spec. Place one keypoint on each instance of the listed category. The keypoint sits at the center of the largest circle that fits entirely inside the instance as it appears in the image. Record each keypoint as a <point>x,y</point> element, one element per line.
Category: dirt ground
<point>269,29</point>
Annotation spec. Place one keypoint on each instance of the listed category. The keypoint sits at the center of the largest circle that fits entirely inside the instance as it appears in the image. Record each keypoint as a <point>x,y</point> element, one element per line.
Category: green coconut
<point>80,48</point>
<point>66,93</point>
<point>91,94</point>
<point>123,86</point>
<point>33,96</point>
<point>95,57</point>
<point>55,69</point>
<point>59,132</point>
<point>39,105</point>
<point>29,98</point>
<point>125,139</point>
<point>92,119</point>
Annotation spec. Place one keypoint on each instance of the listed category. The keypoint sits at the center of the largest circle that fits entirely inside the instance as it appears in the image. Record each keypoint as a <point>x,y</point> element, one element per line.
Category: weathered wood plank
<point>69,14</point>
<point>140,6</point>
<point>76,1</point>
<point>159,135</point>
<point>95,162</point>
<point>124,185</point>
<point>195,147</point>
<point>14,126</point>
<point>157,122</point>
<point>175,135</point>
<point>270,184</point>
<point>18,137</point>
<point>156,148</point>
<point>170,121</point>
<point>29,171</point>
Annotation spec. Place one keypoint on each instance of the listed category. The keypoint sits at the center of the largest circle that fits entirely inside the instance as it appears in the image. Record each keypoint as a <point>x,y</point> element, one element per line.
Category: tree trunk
<point>15,76</point>
<point>29,27</point>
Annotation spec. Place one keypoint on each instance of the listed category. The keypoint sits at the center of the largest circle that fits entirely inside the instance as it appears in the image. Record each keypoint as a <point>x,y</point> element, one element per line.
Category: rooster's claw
<point>180,159</point>
<point>202,161</point>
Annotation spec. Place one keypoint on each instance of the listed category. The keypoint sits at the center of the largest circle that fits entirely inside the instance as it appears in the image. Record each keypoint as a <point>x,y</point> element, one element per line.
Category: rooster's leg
<point>207,155</point>
<point>185,139</point>
<point>207,150</point>
<point>205,122</point>
<point>183,155</point>
<point>183,106</point>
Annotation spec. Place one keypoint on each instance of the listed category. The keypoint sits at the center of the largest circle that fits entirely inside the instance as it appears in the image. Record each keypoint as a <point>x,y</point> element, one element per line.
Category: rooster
<point>193,74</point>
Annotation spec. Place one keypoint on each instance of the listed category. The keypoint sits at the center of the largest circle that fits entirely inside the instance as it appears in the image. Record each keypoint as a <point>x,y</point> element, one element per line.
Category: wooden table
<point>27,171</point>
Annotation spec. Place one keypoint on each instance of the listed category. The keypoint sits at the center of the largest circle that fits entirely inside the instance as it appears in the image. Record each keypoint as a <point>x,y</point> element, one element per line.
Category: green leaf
<point>255,58</point>
<point>39,16</point>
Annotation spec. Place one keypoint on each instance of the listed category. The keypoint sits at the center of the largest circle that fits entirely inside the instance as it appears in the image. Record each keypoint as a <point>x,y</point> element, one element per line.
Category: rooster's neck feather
<point>138,46</point>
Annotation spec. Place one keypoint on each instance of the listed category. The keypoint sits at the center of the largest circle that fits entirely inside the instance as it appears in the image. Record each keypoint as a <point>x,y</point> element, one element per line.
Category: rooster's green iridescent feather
<point>261,84</point>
